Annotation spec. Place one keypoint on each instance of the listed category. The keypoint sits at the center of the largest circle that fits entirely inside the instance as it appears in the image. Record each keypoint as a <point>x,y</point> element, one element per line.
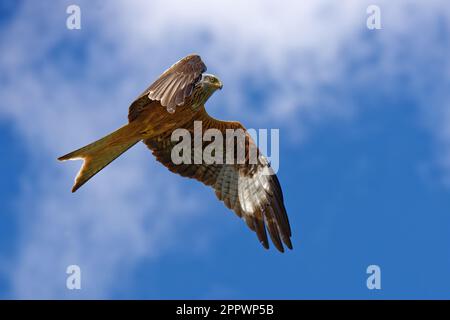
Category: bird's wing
<point>246,188</point>
<point>173,86</point>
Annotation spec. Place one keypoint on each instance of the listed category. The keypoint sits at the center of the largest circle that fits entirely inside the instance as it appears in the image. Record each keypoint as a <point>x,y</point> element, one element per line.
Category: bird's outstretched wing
<point>246,188</point>
<point>172,87</point>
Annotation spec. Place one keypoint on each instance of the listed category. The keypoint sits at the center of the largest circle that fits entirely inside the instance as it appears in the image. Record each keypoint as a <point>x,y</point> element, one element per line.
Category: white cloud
<point>295,51</point>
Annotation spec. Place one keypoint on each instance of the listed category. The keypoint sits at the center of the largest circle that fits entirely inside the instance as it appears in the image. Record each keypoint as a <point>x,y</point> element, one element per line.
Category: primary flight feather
<point>176,101</point>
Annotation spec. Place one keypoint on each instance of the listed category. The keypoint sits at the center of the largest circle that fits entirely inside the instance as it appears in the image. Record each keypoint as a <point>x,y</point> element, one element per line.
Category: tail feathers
<point>100,153</point>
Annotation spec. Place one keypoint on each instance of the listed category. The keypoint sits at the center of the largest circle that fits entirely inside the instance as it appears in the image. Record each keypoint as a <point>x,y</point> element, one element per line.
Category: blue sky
<point>364,150</point>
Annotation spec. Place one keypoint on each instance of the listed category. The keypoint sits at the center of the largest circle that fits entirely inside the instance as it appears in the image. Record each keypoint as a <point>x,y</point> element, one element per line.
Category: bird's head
<point>205,87</point>
<point>211,82</point>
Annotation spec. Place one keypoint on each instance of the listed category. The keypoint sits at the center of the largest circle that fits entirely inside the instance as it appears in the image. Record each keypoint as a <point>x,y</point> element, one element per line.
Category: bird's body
<point>176,101</point>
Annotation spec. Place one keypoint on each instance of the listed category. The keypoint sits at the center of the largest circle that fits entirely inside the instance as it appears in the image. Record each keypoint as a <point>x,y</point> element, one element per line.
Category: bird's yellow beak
<point>220,85</point>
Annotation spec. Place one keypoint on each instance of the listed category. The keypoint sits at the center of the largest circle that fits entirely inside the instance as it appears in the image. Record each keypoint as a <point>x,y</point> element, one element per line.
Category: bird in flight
<point>176,101</point>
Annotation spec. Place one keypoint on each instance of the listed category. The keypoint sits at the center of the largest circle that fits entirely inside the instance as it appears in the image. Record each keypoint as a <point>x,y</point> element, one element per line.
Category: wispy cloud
<point>63,88</point>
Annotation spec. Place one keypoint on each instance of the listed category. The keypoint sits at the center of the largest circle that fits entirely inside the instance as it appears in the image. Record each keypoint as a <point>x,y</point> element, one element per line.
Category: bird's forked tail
<point>100,153</point>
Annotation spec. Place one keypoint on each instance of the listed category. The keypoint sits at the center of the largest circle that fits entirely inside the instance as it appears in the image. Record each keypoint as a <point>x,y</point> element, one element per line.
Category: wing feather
<point>244,188</point>
<point>173,87</point>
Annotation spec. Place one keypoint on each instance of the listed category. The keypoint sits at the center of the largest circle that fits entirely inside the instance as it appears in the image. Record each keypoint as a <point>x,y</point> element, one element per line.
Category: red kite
<point>175,100</point>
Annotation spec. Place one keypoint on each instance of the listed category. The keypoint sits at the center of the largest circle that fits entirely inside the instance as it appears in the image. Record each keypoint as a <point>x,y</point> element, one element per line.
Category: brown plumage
<point>175,101</point>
